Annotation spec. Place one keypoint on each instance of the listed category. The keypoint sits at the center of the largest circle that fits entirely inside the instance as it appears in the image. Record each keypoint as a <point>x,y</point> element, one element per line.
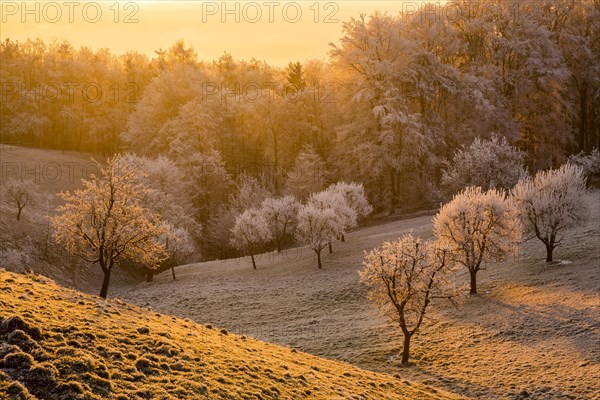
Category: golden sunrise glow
<point>401,195</point>
<point>274,31</point>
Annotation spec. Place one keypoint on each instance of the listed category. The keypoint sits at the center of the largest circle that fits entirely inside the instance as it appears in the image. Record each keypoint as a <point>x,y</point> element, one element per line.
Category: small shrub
<point>179,366</point>
<point>39,354</point>
<point>74,343</point>
<point>65,351</point>
<point>589,163</point>
<point>167,350</point>
<point>144,394</point>
<point>115,355</point>
<point>165,367</point>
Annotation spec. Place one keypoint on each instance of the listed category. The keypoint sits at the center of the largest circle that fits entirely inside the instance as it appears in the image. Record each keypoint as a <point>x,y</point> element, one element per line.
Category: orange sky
<point>274,31</point>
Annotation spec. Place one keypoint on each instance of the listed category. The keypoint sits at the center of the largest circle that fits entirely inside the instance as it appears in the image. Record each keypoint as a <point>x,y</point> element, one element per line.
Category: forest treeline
<point>397,96</point>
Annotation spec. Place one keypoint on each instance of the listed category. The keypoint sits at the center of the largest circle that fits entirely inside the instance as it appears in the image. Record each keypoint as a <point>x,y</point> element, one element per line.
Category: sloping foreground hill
<point>57,343</point>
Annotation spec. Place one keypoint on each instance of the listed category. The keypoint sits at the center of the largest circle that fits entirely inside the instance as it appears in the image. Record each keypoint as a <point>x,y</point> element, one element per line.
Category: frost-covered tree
<point>17,259</point>
<point>404,94</point>
<point>308,175</point>
<point>552,202</point>
<point>492,163</point>
<point>250,233</point>
<point>209,181</point>
<point>477,227</point>
<point>247,192</point>
<point>375,54</point>
<point>179,246</point>
<point>575,28</point>
<point>106,221</point>
<point>317,227</point>
<point>165,195</point>
<point>167,191</point>
<point>149,128</point>
<point>523,65</point>
<point>335,201</point>
<point>295,76</point>
<point>250,192</point>
<point>182,232</point>
<point>354,194</point>
<point>404,277</point>
<point>161,174</point>
<point>19,193</point>
<point>280,213</point>
<point>589,163</point>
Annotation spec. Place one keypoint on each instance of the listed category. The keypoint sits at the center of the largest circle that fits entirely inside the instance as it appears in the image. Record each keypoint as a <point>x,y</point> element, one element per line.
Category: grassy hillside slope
<point>533,331</point>
<point>56,343</point>
<point>52,170</point>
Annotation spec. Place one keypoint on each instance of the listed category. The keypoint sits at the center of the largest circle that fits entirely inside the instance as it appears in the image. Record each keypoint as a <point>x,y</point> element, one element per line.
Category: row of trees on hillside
<point>477,227</point>
<point>128,212</point>
<point>169,192</point>
<point>323,218</point>
<point>136,201</point>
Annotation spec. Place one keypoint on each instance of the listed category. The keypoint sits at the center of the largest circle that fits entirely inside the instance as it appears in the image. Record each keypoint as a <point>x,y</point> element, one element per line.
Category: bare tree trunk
<point>343,238</point>
<point>319,258</point>
<point>549,251</point>
<point>473,273</point>
<point>19,213</point>
<point>253,261</point>
<point>105,283</point>
<point>149,275</point>
<point>330,248</point>
<point>392,192</point>
<point>46,245</point>
<point>173,270</point>
<point>406,349</point>
<point>276,159</point>
<point>281,238</point>
<point>583,117</point>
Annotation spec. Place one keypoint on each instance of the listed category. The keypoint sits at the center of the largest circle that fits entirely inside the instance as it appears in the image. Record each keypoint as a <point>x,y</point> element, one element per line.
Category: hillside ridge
<point>57,343</point>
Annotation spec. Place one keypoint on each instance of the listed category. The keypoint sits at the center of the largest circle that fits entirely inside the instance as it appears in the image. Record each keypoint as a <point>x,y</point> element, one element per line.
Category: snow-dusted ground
<point>534,329</point>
